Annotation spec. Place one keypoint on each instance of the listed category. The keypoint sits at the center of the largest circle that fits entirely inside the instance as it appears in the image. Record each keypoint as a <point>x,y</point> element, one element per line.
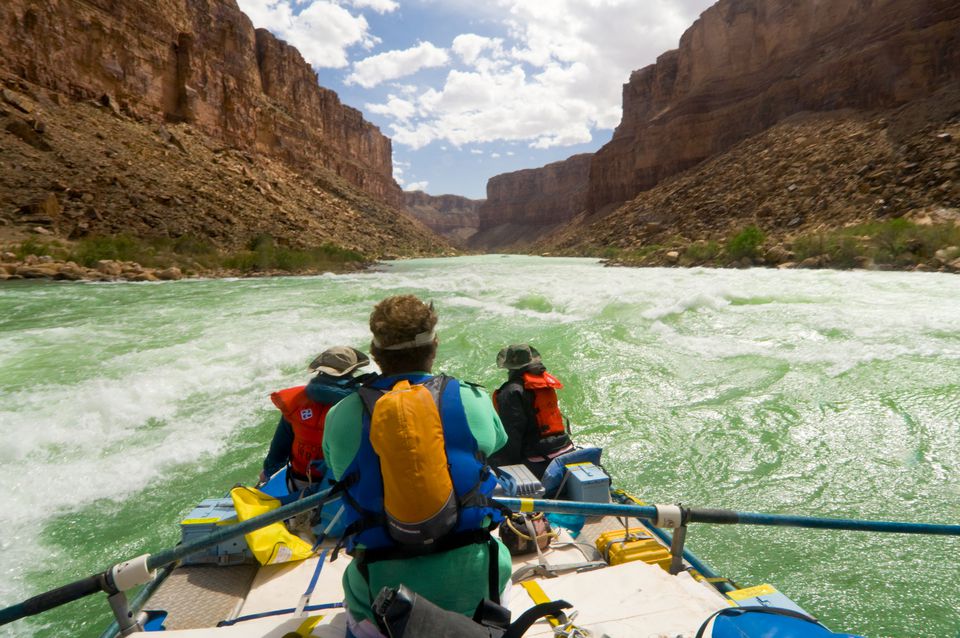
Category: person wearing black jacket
<point>527,404</point>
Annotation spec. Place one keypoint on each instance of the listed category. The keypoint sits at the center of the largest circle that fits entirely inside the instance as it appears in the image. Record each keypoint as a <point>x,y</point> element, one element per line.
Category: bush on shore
<point>746,243</point>
<point>895,242</point>
<point>194,254</point>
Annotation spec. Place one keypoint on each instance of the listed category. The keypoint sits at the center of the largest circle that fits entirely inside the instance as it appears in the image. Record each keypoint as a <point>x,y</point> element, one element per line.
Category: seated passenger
<point>528,408</point>
<point>298,438</point>
<point>411,449</point>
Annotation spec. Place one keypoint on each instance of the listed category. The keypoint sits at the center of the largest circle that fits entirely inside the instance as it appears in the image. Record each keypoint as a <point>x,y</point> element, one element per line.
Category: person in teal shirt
<point>404,346</point>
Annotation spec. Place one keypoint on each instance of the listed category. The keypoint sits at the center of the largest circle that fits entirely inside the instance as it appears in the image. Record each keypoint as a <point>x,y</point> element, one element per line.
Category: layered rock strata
<point>747,64</point>
<point>199,62</point>
<point>533,201</point>
<point>452,216</point>
<point>77,169</point>
<point>836,189</point>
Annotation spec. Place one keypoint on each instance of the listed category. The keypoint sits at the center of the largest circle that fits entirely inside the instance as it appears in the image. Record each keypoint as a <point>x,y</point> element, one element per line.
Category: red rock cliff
<point>539,196</point>
<point>747,64</point>
<point>452,216</point>
<point>199,61</point>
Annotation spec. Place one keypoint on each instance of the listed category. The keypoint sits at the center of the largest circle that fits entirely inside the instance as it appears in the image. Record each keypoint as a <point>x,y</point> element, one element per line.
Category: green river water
<point>808,392</point>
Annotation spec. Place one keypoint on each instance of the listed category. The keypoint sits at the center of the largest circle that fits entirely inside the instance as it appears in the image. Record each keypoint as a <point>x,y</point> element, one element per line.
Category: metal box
<point>587,483</point>
<point>209,516</point>
<point>528,485</point>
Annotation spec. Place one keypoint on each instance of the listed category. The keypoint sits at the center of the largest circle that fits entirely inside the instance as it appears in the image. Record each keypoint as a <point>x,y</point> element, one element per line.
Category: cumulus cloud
<point>395,107</point>
<point>417,186</point>
<point>380,6</point>
<point>469,46</point>
<point>322,30</point>
<point>554,80</point>
<point>391,65</point>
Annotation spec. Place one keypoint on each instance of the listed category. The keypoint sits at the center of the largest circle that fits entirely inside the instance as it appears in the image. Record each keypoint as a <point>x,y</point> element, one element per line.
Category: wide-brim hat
<point>339,361</point>
<point>518,356</point>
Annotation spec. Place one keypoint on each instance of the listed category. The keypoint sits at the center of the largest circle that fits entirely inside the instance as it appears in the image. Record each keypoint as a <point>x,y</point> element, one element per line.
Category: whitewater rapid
<point>813,392</point>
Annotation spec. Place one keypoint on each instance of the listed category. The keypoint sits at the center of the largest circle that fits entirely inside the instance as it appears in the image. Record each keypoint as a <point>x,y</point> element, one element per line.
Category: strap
<point>369,397</point>
<point>493,569</point>
<point>278,612</point>
<point>525,621</point>
<point>777,611</point>
<point>305,598</point>
<point>447,543</point>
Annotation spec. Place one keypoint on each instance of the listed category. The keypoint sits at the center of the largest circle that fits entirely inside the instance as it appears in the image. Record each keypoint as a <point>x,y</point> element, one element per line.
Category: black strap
<point>447,543</point>
<point>777,611</point>
<point>493,569</point>
<point>520,626</point>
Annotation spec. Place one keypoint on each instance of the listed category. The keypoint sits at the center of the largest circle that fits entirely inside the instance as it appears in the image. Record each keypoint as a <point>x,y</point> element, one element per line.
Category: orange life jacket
<point>546,407</point>
<point>307,417</point>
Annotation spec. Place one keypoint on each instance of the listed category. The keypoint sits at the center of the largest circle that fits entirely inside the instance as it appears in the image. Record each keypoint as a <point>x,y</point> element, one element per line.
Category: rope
<point>551,534</point>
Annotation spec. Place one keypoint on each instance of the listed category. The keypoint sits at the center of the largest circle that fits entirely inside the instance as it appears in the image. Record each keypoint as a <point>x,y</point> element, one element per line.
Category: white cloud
<point>322,30</point>
<point>380,6</point>
<point>391,65</point>
<point>395,107</point>
<point>554,80</point>
<point>476,151</point>
<point>417,186</point>
<point>469,46</point>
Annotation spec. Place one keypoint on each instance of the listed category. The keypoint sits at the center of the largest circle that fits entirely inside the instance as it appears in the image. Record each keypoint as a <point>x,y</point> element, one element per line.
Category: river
<point>809,392</point>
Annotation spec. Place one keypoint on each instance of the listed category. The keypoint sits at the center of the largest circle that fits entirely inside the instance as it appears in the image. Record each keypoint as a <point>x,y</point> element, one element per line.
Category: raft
<point>621,575</point>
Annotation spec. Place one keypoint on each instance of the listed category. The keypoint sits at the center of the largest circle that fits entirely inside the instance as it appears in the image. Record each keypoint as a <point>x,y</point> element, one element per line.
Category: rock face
<point>747,64</point>
<point>452,216</point>
<point>538,199</point>
<point>200,62</point>
<point>842,189</point>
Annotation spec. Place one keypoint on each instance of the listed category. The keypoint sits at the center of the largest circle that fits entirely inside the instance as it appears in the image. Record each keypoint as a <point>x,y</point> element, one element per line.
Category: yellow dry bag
<point>407,434</point>
<point>271,544</point>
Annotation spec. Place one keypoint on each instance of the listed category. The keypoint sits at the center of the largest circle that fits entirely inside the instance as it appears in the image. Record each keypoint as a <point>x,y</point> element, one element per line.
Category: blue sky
<point>469,89</point>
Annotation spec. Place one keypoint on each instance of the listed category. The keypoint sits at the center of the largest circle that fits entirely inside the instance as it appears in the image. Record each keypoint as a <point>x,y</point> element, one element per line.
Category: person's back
<point>363,435</point>
<point>298,438</point>
<point>528,408</point>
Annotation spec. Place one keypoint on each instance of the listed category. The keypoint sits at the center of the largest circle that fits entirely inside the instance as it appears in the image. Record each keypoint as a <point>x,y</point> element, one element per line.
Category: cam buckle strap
<point>541,610</point>
<point>562,623</point>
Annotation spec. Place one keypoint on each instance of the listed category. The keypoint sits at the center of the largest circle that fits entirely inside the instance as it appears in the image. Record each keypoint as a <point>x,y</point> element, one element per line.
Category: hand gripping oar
<point>137,571</point>
<point>673,516</point>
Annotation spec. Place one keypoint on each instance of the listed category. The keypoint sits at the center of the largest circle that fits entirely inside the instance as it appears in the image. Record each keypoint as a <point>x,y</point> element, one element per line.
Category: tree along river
<point>809,392</point>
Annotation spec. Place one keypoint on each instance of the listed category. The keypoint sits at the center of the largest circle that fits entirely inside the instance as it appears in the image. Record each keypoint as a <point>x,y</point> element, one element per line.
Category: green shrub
<point>702,251</point>
<point>192,245</point>
<point>90,250</point>
<point>746,243</point>
<point>33,246</point>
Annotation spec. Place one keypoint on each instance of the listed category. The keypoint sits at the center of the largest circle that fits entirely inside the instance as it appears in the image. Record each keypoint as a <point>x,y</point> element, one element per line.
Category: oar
<point>671,516</point>
<point>137,571</point>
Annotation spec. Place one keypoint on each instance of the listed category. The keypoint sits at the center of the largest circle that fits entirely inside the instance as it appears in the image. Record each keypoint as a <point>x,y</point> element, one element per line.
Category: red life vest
<point>546,407</point>
<point>307,417</point>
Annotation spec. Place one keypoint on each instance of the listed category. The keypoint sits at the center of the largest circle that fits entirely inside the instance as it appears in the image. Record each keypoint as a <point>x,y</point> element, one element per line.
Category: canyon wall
<point>748,64</point>
<point>196,61</point>
<point>538,198</point>
<point>452,216</point>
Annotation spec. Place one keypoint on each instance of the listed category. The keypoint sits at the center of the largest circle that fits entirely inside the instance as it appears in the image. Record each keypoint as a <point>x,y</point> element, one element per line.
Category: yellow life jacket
<point>274,543</point>
<point>407,434</point>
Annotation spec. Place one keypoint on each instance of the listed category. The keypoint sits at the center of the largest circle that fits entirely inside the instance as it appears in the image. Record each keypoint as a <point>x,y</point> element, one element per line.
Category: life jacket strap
<point>366,556</point>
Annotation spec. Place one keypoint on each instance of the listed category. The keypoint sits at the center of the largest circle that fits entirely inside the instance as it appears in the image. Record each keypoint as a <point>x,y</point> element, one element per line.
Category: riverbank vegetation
<point>191,256</point>
<point>898,244</point>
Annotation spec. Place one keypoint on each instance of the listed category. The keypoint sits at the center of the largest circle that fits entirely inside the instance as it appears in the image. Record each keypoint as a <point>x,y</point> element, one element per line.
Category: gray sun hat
<point>339,361</point>
<point>517,357</point>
